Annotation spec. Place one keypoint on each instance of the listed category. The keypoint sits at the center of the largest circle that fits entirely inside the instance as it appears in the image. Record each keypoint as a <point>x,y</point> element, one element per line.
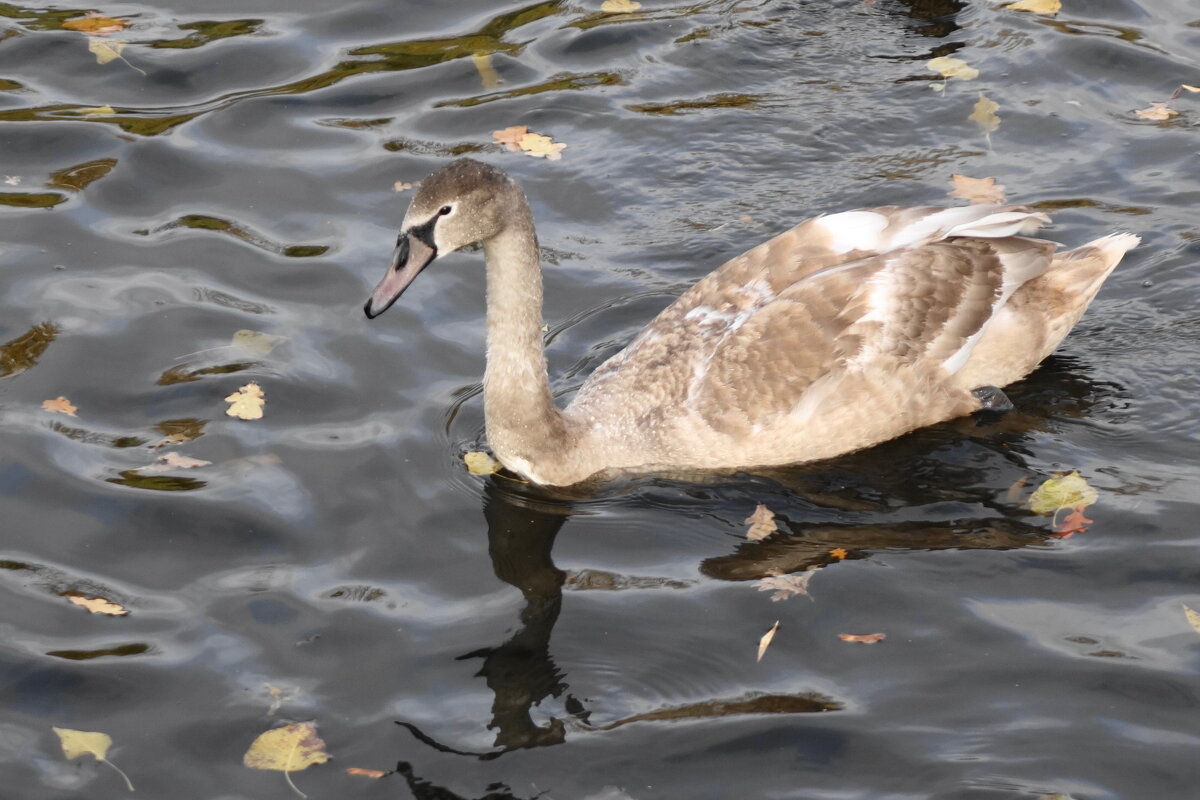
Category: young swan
<point>843,332</point>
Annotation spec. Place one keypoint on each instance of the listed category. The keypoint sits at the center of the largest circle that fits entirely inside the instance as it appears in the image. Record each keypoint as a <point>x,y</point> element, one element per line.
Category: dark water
<point>336,563</point>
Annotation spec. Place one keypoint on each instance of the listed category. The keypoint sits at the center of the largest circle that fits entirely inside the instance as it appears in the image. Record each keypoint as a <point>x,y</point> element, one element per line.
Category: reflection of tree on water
<point>865,502</point>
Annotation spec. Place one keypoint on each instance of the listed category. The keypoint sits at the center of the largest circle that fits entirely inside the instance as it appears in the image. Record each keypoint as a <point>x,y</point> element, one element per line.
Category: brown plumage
<point>841,333</point>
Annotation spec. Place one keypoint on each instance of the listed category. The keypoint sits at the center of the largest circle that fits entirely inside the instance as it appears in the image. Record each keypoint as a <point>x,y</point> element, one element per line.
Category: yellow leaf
<point>1190,88</point>
<point>1036,6</point>
<point>1156,112</point>
<point>88,743</point>
<point>539,146</point>
<point>105,51</point>
<point>977,190</point>
<point>762,524</point>
<point>97,111</point>
<point>60,405</point>
<point>1063,491</point>
<point>480,463</point>
<point>1193,618</point>
<point>97,605</point>
<point>367,773</point>
<point>487,73</point>
<point>288,749</point>
<point>949,67</point>
<point>619,6</point>
<point>247,402</point>
<point>257,342</point>
<point>985,114</point>
<point>96,25</point>
<point>765,641</point>
<point>839,553</point>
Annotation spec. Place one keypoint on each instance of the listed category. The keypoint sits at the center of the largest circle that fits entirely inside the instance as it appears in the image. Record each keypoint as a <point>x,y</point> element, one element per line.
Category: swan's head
<point>462,203</point>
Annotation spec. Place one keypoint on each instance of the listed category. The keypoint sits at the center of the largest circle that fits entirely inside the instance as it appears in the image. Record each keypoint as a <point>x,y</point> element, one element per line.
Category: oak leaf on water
<point>247,402</point>
<point>977,190</point>
<point>60,405</point>
<point>1157,112</point>
<point>97,605</point>
<point>539,146</point>
<point>88,743</point>
<point>762,523</point>
<point>984,114</point>
<point>950,67</point>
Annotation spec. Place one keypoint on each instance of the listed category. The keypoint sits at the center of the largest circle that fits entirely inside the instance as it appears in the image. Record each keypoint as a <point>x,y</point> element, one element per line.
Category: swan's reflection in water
<point>857,500</point>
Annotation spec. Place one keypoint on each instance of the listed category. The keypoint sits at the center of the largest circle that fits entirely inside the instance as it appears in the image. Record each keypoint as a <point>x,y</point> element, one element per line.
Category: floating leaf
<point>97,605</point>
<point>169,461</point>
<point>257,342</point>
<point>401,186</point>
<point>1193,618</point>
<point>247,402</point>
<point>949,67</point>
<point>762,524</point>
<point>1075,522</point>
<point>487,73</point>
<point>367,773</point>
<point>60,405</point>
<point>839,553</point>
<point>862,638</point>
<point>977,190</point>
<point>1036,6</point>
<point>12,180</point>
<point>786,586</point>
<point>1063,491</point>
<point>765,641</point>
<point>96,25</point>
<point>619,6</point>
<point>1157,112</point>
<point>510,137</point>
<point>984,113</point>
<point>89,743</point>
<point>96,111</point>
<point>539,146</point>
<point>480,463</point>
<point>105,51</point>
<point>288,749</point>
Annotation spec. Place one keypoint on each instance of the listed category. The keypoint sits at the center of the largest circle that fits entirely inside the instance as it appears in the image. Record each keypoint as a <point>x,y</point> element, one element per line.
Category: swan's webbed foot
<point>993,403</point>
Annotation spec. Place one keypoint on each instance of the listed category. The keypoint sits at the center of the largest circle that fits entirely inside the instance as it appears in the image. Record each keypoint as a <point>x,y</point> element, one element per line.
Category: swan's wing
<point>922,306</point>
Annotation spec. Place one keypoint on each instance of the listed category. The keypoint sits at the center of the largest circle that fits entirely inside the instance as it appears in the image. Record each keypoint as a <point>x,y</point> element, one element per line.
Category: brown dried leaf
<point>786,586</point>
<point>95,25</point>
<point>862,638</point>
<point>510,137</point>
<point>762,524</point>
<point>247,402</point>
<point>1157,112</point>
<point>977,190</point>
<point>172,460</point>
<point>839,553</point>
<point>60,405</point>
<point>367,773</point>
<point>97,605</point>
<point>765,641</point>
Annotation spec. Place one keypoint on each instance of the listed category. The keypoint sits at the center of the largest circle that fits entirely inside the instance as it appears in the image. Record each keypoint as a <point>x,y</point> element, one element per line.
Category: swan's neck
<point>524,427</point>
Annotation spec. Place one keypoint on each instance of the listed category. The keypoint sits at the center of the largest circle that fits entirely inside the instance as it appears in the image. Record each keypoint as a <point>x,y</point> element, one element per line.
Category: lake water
<point>233,167</point>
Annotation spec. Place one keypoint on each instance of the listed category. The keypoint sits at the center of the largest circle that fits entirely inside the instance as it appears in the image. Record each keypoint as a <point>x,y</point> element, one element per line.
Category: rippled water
<point>234,170</point>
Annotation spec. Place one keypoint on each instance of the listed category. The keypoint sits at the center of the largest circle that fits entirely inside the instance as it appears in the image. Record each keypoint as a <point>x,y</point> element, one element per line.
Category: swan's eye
<point>444,210</point>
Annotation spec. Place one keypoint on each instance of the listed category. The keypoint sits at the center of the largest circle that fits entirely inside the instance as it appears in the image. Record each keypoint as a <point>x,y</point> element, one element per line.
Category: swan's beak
<point>410,257</point>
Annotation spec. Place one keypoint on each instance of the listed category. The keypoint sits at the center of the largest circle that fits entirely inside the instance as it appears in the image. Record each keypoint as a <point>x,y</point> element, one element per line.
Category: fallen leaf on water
<point>480,463</point>
<point>1016,490</point>
<point>257,342</point>
<point>96,111</point>
<point>1190,88</point>
<point>762,524</point>
<point>1157,112</point>
<point>367,773</point>
<point>288,749</point>
<point>1193,618</point>
<point>949,67</point>
<point>173,460</point>
<point>60,405</point>
<point>786,586</point>
<point>97,605</point>
<point>487,73</point>
<point>12,180</point>
<point>977,190</point>
<point>1062,491</point>
<point>247,402</point>
<point>1036,6</point>
<point>765,641</point>
<point>105,51</point>
<point>539,146</point>
<point>89,743</point>
<point>96,25</point>
<point>619,6</point>
<point>984,114</point>
<point>401,186</point>
<point>839,553</point>
<point>510,137</point>
<point>1075,522</point>
<point>862,638</point>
